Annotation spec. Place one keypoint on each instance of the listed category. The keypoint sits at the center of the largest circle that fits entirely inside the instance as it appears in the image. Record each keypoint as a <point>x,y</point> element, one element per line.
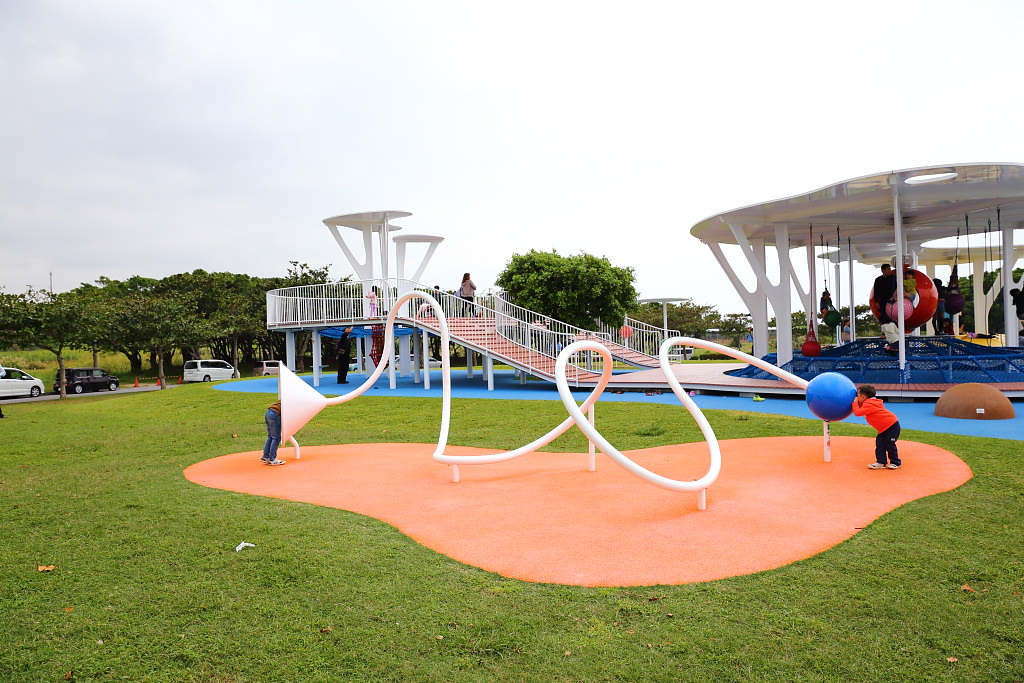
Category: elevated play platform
<point>930,360</point>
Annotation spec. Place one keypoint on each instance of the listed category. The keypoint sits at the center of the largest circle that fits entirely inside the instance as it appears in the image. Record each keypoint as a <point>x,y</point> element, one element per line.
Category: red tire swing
<point>915,314</point>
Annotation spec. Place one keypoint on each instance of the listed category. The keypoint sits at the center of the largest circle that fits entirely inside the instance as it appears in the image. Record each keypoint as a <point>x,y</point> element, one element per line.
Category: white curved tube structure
<point>446,395</point>
<point>577,414</point>
<point>728,351</point>
<point>699,485</point>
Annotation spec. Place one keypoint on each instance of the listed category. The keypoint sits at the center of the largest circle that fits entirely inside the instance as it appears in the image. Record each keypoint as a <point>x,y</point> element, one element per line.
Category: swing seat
<point>955,301</point>
<point>923,310</point>
<point>832,318</point>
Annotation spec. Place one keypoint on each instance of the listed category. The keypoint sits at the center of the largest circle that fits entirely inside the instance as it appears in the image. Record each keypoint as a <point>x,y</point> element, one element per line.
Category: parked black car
<point>78,380</point>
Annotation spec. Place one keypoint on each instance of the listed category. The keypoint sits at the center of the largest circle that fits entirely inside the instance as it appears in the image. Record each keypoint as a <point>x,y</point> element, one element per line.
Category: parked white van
<point>264,368</point>
<point>208,370</point>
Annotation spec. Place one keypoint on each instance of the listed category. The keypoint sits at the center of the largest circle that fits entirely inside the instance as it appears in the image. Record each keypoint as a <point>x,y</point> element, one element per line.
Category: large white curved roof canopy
<point>933,201</point>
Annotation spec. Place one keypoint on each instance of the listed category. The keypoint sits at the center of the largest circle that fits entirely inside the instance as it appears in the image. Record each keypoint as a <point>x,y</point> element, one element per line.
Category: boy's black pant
<point>885,445</point>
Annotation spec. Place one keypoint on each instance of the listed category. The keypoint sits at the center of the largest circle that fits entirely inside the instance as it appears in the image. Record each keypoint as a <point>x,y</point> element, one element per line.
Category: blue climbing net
<point>938,360</point>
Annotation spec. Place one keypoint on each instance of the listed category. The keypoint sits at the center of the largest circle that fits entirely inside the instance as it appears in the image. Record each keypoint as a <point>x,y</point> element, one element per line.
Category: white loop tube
<point>584,424</point>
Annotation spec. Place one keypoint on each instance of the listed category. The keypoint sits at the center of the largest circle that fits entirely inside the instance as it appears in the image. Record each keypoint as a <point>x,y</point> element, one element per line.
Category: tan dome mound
<point>973,401</point>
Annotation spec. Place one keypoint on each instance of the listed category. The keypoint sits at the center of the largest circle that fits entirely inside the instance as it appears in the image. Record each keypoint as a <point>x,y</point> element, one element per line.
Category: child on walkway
<point>371,296</point>
<point>273,419</point>
<point>887,424</point>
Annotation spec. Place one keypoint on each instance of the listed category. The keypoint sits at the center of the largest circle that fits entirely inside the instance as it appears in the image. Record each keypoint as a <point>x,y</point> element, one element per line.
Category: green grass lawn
<point>147,585</point>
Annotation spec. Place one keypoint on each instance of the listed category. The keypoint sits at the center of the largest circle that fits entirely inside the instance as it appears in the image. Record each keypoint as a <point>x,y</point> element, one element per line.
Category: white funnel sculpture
<point>299,403</point>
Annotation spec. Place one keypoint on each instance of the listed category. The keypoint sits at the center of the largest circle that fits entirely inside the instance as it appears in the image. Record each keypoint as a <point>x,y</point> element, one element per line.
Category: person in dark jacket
<point>884,290</point>
<point>343,353</point>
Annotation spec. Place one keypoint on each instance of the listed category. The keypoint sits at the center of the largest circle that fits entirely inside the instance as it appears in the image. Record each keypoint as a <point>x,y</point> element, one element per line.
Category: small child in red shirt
<point>887,424</point>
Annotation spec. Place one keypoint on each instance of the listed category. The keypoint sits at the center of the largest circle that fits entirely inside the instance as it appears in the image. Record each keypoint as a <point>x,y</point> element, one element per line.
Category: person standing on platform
<point>939,318</point>
<point>1017,298</point>
<point>343,354</point>
<point>884,291</point>
<point>467,290</point>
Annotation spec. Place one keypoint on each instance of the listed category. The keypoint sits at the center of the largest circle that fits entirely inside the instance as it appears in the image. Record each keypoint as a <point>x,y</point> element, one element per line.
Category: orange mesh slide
<point>545,518</point>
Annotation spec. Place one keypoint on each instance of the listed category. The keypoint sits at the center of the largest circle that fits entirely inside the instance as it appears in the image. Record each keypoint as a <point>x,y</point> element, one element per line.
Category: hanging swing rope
<point>829,315</point>
<point>811,347</point>
<point>954,299</point>
<point>988,250</point>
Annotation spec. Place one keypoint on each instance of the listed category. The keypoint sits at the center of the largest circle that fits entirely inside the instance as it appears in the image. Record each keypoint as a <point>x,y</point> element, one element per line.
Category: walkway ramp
<point>490,325</point>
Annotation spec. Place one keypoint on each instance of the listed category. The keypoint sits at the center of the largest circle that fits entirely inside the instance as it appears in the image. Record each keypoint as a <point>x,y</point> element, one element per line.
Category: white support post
<point>981,303</point>
<point>764,292</point>
<point>317,359</point>
<point>853,294</point>
<point>417,357</point>
<point>425,343</point>
<point>929,270</point>
<point>782,302</point>
<point>897,220</point>
<point>592,462</point>
<point>489,371</point>
<point>289,350</point>
<point>759,311</point>
<point>469,363</point>
<point>389,352</point>
<point>1010,322</point>
<point>404,352</point>
<point>828,440</point>
<point>364,269</point>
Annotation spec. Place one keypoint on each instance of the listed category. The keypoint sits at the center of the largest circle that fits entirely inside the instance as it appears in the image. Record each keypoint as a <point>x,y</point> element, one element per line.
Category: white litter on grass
<point>243,544</point>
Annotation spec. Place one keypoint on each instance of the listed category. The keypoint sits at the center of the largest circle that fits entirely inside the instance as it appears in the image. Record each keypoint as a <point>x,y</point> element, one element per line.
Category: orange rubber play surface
<point>545,518</point>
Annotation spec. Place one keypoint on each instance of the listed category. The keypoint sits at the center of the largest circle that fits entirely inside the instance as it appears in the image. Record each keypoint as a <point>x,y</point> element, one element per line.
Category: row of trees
<point>226,312</point>
<point>139,317</point>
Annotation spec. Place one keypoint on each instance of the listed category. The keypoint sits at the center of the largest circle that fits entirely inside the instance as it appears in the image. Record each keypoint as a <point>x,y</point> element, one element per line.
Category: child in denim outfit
<point>273,419</point>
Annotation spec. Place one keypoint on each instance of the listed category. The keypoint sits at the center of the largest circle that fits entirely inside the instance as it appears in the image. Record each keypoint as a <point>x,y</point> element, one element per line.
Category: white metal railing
<point>541,333</point>
<point>640,337</point>
<point>335,304</point>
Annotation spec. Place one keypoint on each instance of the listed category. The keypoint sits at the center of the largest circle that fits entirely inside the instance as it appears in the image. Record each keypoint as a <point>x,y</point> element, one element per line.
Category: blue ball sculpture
<point>830,396</point>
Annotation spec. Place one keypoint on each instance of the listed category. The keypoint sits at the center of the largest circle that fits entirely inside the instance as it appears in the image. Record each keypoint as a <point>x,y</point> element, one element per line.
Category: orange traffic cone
<point>180,379</point>
<point>136,381</point>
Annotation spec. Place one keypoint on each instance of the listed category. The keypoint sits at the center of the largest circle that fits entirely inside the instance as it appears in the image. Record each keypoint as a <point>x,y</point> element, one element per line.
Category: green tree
<point>733,326</point>
<point>54,322</point>
<point>579,290</point>
<point>299,274</point>
<point>692,320</point>
<point>117,332</point>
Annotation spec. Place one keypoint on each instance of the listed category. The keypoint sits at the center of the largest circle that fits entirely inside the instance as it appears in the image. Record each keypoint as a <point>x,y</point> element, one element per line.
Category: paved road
<point>56,397</point>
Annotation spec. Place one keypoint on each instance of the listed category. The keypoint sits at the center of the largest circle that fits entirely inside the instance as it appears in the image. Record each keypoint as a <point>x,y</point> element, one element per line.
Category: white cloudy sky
<point>157,137</point>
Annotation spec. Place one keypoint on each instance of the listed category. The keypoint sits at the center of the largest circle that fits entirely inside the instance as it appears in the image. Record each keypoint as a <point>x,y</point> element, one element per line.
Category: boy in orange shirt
<point>887,424</point>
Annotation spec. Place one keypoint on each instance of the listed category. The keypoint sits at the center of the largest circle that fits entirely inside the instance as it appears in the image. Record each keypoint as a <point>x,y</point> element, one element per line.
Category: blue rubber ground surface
<point>918,416</point>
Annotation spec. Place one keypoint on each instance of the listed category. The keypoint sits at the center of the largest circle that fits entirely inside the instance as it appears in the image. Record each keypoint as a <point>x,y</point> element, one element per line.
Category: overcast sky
<point>156,137</point>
